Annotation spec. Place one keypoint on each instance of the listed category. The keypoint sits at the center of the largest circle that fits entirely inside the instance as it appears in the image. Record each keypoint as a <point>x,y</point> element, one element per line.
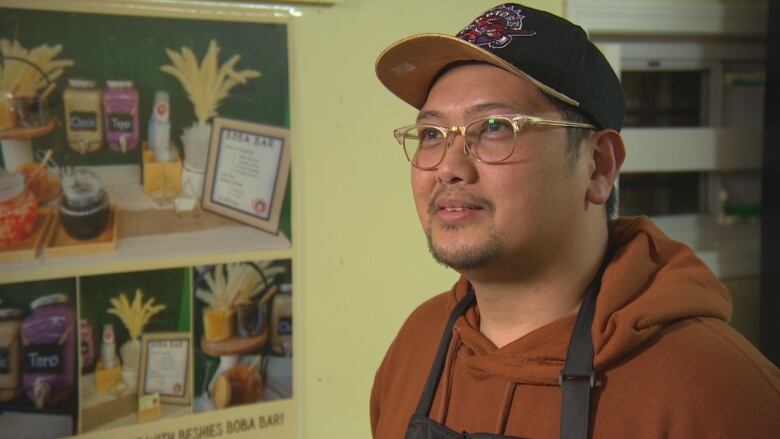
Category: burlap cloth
<point>160,222</point>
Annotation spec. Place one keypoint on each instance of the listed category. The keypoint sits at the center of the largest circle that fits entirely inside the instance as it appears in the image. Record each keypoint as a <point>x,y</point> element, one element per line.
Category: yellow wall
<point>364,263</point>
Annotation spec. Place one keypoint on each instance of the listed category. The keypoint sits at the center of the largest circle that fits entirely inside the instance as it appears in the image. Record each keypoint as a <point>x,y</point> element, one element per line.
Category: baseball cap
<point>551,52</point>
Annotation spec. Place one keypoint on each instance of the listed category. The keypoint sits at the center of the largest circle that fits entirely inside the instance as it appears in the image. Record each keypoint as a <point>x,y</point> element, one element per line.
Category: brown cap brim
<point>407,67</point>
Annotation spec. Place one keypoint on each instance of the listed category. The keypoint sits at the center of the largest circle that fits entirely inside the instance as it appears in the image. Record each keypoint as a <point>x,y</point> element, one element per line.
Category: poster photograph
<point>247,171</point>
<point>106,121</point>
<point>118,313</point>
<point>244,325</point>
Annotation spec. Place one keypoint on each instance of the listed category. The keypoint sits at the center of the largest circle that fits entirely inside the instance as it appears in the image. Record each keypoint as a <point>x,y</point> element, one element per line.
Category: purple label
<point>42,328</point>
<point>121,118</point>
<point>50,355</point>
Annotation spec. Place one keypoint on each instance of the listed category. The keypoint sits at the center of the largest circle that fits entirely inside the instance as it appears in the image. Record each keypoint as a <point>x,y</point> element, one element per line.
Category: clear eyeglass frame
<point>410,133</point>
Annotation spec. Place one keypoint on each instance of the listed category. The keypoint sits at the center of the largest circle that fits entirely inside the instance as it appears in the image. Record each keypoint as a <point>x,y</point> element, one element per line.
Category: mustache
<point>456,193</point>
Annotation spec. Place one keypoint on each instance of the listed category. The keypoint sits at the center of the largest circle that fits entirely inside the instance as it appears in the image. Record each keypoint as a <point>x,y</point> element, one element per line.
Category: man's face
<point>481,218</point>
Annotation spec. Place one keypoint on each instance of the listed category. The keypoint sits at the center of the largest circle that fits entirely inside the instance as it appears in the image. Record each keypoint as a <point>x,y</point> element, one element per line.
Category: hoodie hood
<point>651,283</point>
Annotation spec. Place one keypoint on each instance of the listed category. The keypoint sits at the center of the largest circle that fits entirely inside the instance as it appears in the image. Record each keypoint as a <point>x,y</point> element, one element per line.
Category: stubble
<point>464,255</point>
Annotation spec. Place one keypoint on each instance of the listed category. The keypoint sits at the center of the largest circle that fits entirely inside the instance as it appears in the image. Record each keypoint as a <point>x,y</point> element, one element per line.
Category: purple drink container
<point>49,350</point>
<point>120,110</point>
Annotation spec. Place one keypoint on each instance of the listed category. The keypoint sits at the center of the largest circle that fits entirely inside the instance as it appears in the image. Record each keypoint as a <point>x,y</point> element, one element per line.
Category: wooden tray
<point>234,345</point>
<point>60,244</point>
<point>27,249</point>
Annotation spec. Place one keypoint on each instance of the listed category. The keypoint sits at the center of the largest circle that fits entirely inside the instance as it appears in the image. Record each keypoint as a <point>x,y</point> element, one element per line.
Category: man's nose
<point>456,166</point>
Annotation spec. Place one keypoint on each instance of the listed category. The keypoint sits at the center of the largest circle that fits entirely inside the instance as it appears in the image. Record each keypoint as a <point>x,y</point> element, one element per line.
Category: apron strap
<point>577,376</point>
<point>426,400</point>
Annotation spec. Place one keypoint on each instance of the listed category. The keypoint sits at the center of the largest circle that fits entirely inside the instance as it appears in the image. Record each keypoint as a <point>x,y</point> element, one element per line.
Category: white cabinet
<point>694,80</point>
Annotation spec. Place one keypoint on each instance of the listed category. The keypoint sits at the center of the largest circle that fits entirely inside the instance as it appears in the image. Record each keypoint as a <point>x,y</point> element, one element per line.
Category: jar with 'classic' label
<point>10,354</point>
<point>83,115</point>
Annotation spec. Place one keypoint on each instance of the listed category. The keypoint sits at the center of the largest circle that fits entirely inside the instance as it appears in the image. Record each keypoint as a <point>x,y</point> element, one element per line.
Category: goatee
<point>466,257</point>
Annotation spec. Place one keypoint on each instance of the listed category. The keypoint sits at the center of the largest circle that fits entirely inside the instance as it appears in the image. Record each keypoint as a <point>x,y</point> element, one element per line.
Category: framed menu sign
<point>247,170</point>
<point>165,366</point>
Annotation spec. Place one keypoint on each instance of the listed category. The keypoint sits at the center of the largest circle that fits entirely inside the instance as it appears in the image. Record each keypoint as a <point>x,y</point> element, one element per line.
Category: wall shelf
<point>692,149</point>
<point>228,242</point>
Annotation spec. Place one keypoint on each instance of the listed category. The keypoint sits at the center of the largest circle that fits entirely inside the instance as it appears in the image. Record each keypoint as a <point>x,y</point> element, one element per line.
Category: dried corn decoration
<point>234,282</point>
<point>136,315</point>
<point>206,84</point>
<point>18,78</point>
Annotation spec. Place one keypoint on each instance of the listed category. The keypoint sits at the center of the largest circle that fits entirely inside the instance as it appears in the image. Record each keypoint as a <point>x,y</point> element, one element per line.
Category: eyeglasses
<point>489,139</point>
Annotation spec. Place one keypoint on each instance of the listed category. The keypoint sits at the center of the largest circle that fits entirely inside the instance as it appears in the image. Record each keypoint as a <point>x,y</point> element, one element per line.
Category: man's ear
<point>608,153</point>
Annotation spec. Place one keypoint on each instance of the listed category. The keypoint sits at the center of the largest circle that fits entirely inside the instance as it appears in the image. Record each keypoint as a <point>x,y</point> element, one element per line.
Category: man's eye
<point>430,134</point>
<point>494,126</point>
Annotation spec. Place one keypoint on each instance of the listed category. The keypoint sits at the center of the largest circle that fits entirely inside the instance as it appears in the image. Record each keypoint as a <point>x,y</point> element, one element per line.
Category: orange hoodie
<point>667,362</point>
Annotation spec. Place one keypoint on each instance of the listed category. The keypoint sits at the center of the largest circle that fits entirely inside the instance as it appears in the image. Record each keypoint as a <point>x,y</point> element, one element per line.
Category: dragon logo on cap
<point>496,27</point>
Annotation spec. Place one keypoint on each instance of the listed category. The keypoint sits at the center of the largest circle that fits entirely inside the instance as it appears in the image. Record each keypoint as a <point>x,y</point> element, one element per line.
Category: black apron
<point>576,378</point>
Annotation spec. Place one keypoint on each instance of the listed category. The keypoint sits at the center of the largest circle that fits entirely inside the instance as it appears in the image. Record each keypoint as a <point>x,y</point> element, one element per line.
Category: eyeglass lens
<point>491,140</point>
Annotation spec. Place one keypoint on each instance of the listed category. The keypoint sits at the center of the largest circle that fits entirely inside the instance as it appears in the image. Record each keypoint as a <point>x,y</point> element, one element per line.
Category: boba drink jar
<point>120,102</point>
<point>84,115</point>
<point>84,209</point>
<point>10,355</point>
<point>49,350</point>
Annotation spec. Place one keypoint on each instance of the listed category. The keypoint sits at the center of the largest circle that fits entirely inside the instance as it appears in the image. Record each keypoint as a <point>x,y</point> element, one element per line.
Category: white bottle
<point>108,347</point>
<point>160,128</point>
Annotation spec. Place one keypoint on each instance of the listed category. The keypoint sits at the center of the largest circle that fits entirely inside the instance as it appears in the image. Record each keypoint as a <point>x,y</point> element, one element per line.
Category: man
<point>564,323</point>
